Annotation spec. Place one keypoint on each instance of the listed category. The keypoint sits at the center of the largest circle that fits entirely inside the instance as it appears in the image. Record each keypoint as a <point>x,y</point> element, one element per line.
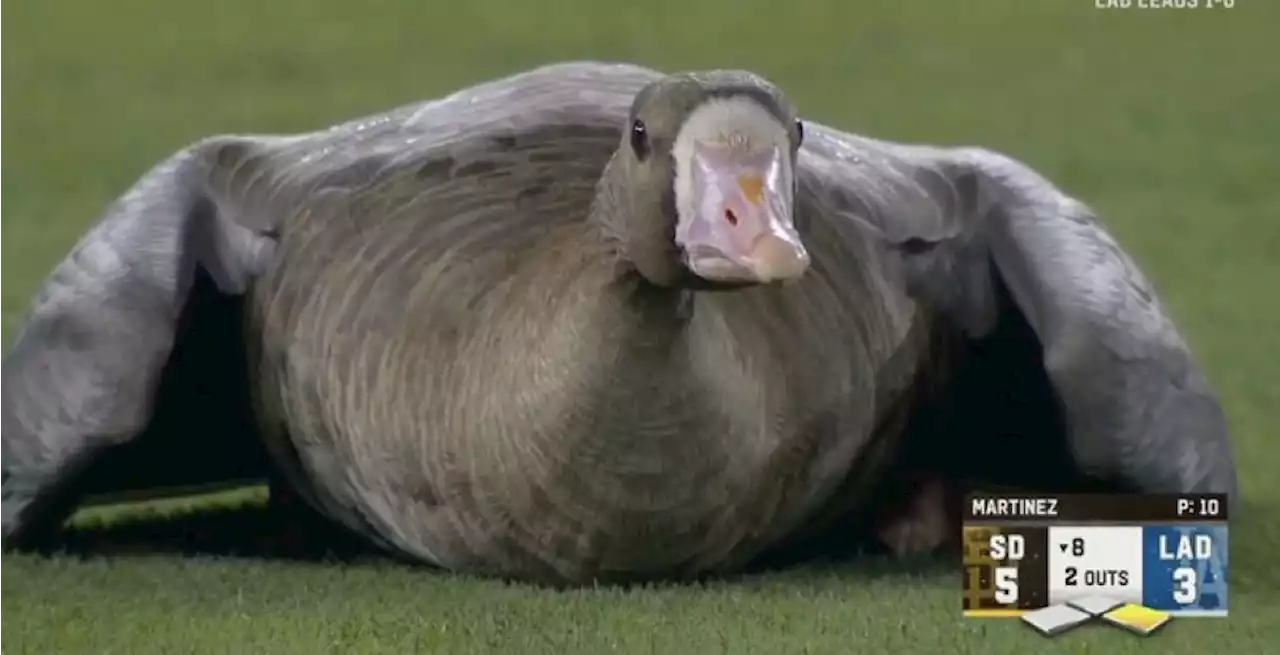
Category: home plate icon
<point>1057,619</point>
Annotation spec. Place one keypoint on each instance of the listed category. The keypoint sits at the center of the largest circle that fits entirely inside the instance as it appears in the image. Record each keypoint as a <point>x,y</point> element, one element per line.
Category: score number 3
<point>1185,590</point>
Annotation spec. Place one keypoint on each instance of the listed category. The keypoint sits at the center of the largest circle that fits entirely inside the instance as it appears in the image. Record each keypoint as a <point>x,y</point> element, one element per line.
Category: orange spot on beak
<point>752,189</point>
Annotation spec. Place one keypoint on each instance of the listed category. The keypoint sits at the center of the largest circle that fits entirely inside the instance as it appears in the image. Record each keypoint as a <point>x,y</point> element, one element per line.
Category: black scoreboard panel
<point>989,552</point>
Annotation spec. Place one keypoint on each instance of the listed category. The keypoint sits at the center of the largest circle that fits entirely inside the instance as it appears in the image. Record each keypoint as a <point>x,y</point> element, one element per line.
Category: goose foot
<point>925,523</point>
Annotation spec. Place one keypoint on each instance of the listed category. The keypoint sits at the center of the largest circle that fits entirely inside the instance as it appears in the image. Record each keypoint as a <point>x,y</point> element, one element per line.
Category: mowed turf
<point>1163,120</point>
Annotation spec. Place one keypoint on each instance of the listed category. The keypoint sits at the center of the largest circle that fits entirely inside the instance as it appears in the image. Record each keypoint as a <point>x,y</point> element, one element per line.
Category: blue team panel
<point>1185,568</point>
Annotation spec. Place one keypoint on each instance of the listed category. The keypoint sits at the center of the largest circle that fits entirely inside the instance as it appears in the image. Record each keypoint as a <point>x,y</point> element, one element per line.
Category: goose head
<point>705,182</point>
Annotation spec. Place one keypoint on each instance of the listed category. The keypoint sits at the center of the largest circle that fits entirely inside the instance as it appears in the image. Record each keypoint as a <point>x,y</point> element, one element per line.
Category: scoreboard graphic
<point>1060,561</point>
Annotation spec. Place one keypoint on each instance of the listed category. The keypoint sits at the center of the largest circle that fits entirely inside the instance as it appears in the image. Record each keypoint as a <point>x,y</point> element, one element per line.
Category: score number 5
<point>1006,582</point>
<point>1009,548</point>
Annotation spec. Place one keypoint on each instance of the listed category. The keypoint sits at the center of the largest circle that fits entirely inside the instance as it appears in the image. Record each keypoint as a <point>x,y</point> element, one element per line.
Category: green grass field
<point>1164,120</point>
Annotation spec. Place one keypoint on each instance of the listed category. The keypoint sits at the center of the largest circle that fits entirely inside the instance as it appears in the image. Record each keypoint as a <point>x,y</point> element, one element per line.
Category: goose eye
<point>639,139</point>
<point>799,133</point>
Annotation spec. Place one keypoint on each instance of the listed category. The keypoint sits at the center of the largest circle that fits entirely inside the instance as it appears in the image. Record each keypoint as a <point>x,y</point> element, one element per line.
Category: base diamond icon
<point>1095,605</point>
<point>1056,619</point>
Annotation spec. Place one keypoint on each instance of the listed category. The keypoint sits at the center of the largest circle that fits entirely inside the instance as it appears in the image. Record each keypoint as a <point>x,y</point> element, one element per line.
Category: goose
<point>592,322</point>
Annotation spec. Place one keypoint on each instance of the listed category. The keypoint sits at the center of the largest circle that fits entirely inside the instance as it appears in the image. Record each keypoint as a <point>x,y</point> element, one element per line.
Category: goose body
<point>477,378</point>
<point>470,339</point>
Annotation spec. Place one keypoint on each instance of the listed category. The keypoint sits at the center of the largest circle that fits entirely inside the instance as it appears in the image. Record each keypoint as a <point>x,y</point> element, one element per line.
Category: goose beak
<point>741,230</point>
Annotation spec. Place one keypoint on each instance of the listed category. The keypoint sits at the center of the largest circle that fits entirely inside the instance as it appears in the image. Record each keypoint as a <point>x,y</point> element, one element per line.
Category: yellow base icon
<point>1136,618</point>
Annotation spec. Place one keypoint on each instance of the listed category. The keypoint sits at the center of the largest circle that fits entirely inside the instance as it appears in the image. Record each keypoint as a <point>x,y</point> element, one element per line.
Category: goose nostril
<point>731,217</point>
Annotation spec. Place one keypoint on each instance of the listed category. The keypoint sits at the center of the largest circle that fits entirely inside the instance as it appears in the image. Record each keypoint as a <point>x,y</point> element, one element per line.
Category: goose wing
<point>87,365</point>
<point>141,319</point>
<point>1071,357</point>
